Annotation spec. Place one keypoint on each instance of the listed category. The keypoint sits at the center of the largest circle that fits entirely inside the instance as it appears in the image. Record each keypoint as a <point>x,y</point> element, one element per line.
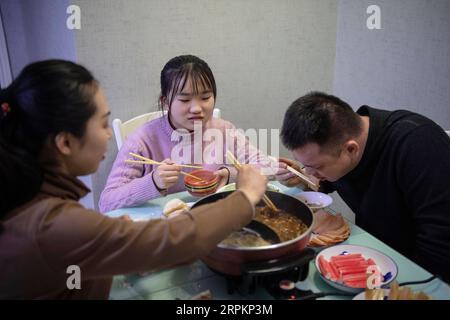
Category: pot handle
<point>278,265</point>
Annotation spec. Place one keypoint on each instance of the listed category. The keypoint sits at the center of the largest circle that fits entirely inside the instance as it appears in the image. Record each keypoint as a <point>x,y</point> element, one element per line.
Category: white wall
<point>404,65</point>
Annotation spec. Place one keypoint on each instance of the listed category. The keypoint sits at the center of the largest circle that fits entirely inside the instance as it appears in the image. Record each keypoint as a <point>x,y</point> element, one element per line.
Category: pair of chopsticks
<point>302,176</point>
<point>311,184</point>
<point>265,198</point>
<point>145,160</point>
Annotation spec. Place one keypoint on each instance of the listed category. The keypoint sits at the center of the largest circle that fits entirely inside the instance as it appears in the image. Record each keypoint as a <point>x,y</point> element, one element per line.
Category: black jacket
<point>400,191</point>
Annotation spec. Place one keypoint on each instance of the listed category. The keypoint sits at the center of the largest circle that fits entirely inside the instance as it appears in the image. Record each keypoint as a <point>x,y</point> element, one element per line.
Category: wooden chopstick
<point>265,198</point>
<point>141,157</point>
<point>302,176</point>
<point>189,166</point>
<point>233,160</point>
<point>192,176</point>
<point>269,203</point>
<point>150,161</point>
<point>138,161</point>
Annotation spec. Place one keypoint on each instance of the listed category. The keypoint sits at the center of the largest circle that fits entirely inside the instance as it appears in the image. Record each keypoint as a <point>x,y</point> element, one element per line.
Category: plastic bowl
<point>203,188</point>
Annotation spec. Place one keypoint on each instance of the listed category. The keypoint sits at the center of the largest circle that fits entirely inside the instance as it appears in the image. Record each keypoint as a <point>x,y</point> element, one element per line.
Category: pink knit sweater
<point>132,184</point>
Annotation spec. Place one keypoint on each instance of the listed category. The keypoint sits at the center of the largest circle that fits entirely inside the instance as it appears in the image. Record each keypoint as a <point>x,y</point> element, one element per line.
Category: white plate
<point>311,197</point>
<point>386,264</point>
<point>232,187</point>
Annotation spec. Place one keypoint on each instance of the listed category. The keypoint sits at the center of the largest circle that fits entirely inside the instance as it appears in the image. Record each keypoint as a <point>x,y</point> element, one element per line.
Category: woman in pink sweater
<point>186,134</point>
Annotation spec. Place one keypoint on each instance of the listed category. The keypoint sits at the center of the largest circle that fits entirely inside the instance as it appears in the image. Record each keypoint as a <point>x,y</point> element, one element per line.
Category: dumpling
<point>174,207</point>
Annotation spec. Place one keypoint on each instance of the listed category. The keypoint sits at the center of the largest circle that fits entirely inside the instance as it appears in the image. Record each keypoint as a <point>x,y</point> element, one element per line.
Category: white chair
<point>123,129</point>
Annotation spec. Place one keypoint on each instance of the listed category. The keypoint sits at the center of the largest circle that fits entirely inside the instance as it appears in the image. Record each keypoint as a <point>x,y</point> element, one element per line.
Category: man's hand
<point>289,179</point>
<point>285,177</point>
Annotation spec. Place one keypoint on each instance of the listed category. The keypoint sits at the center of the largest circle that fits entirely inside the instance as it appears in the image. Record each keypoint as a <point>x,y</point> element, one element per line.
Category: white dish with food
<point>315,200</point>
<point>387,267</point>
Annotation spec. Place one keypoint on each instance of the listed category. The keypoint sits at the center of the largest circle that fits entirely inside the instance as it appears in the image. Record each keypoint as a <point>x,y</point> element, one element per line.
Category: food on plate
<point>313,204</point>
<point>328,229</point>
<point>348,269</point>
<point>268,211</point>
<point>286,225</point>
<point>174,207</point>
<point>395,293</point>
<point>245,238</point>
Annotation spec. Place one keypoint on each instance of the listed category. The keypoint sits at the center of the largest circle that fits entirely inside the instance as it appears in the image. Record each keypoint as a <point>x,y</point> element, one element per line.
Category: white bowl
<point>387,266</point>
<point>232,187</point>
<point>315,200</point>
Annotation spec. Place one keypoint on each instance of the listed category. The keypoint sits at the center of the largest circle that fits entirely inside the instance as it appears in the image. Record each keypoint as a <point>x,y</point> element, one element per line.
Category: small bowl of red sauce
<point>205,185</point>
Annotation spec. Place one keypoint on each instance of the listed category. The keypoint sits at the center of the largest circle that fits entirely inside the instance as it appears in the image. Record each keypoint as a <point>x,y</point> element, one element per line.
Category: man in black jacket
<point>391,167</point>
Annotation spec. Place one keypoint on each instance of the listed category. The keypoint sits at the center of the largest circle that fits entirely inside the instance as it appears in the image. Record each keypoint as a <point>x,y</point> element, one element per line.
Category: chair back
<point>123,129</point>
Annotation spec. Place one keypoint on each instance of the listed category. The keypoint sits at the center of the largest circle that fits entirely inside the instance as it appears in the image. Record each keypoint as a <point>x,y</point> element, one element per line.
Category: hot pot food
<point>286,226</point>
<point>267,237</point>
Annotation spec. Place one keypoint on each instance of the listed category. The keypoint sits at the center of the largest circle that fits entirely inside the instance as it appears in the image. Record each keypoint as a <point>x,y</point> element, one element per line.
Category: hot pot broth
<point>245,238</point>
<point>285,225</point>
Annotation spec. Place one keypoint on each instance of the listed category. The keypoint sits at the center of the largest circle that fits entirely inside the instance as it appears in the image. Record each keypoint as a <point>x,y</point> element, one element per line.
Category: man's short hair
<point>319,118</point>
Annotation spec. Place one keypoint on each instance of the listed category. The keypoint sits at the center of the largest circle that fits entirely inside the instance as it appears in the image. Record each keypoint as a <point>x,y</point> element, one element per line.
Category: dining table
<point>191,280</point>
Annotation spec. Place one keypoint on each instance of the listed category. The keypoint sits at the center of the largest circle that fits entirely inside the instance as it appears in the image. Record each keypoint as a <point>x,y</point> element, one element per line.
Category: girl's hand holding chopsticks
<point>166,174</point>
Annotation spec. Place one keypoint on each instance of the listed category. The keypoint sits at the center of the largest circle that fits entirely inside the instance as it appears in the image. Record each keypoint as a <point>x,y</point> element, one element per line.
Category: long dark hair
<point>178,70</point>
<point>46,98</point>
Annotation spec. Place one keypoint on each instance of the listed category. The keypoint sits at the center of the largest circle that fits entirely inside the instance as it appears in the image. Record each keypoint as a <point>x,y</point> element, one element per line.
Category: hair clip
<point>6,108</point>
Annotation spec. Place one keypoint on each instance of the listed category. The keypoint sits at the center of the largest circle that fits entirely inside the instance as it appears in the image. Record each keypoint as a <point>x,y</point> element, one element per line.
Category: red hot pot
<point>228,260</point>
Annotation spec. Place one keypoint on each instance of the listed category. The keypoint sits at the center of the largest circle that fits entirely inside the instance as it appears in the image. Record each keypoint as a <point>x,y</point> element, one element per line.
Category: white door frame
<point>5,66</point>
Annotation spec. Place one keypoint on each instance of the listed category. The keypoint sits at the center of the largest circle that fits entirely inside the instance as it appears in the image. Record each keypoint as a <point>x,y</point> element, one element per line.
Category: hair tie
<point>6,108</point>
